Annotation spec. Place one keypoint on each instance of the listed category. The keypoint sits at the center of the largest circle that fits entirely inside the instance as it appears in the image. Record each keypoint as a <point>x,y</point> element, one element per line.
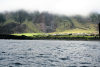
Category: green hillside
<point>36,22</point>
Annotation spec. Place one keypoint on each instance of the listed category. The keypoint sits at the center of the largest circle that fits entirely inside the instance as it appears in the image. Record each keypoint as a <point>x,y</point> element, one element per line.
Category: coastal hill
<point>43,22</point>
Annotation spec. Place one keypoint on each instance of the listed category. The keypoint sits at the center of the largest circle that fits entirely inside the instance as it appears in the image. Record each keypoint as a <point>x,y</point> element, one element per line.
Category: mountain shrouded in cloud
<point>36,22</point>
<point>24,16</point>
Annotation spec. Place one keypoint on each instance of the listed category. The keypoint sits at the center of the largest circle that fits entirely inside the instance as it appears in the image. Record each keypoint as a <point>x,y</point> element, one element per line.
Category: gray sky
<point>67,7</point>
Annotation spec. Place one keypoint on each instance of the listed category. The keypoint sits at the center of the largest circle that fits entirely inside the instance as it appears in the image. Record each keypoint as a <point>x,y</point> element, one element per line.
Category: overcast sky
<point>67,7</point>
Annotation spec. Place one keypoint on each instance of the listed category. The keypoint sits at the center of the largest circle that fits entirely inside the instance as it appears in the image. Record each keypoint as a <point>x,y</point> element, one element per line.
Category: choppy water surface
<point>49,53</point>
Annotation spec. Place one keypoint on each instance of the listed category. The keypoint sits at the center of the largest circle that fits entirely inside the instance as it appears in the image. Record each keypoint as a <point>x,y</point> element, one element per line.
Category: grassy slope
<point>79,28</point>
<point>63,27</point>
<point>29,34</point>
<point>31,28</point>
<point>76,30</point>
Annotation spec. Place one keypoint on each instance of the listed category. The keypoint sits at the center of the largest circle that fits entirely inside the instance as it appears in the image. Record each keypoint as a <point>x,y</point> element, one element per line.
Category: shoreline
<point>50,37</point>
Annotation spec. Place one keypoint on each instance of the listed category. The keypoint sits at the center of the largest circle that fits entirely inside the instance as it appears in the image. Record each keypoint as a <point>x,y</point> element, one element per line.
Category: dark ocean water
<point>49,53</point>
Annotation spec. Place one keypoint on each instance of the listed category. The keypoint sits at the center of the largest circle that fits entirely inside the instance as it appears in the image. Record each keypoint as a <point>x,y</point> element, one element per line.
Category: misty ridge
<point>22,21</point>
